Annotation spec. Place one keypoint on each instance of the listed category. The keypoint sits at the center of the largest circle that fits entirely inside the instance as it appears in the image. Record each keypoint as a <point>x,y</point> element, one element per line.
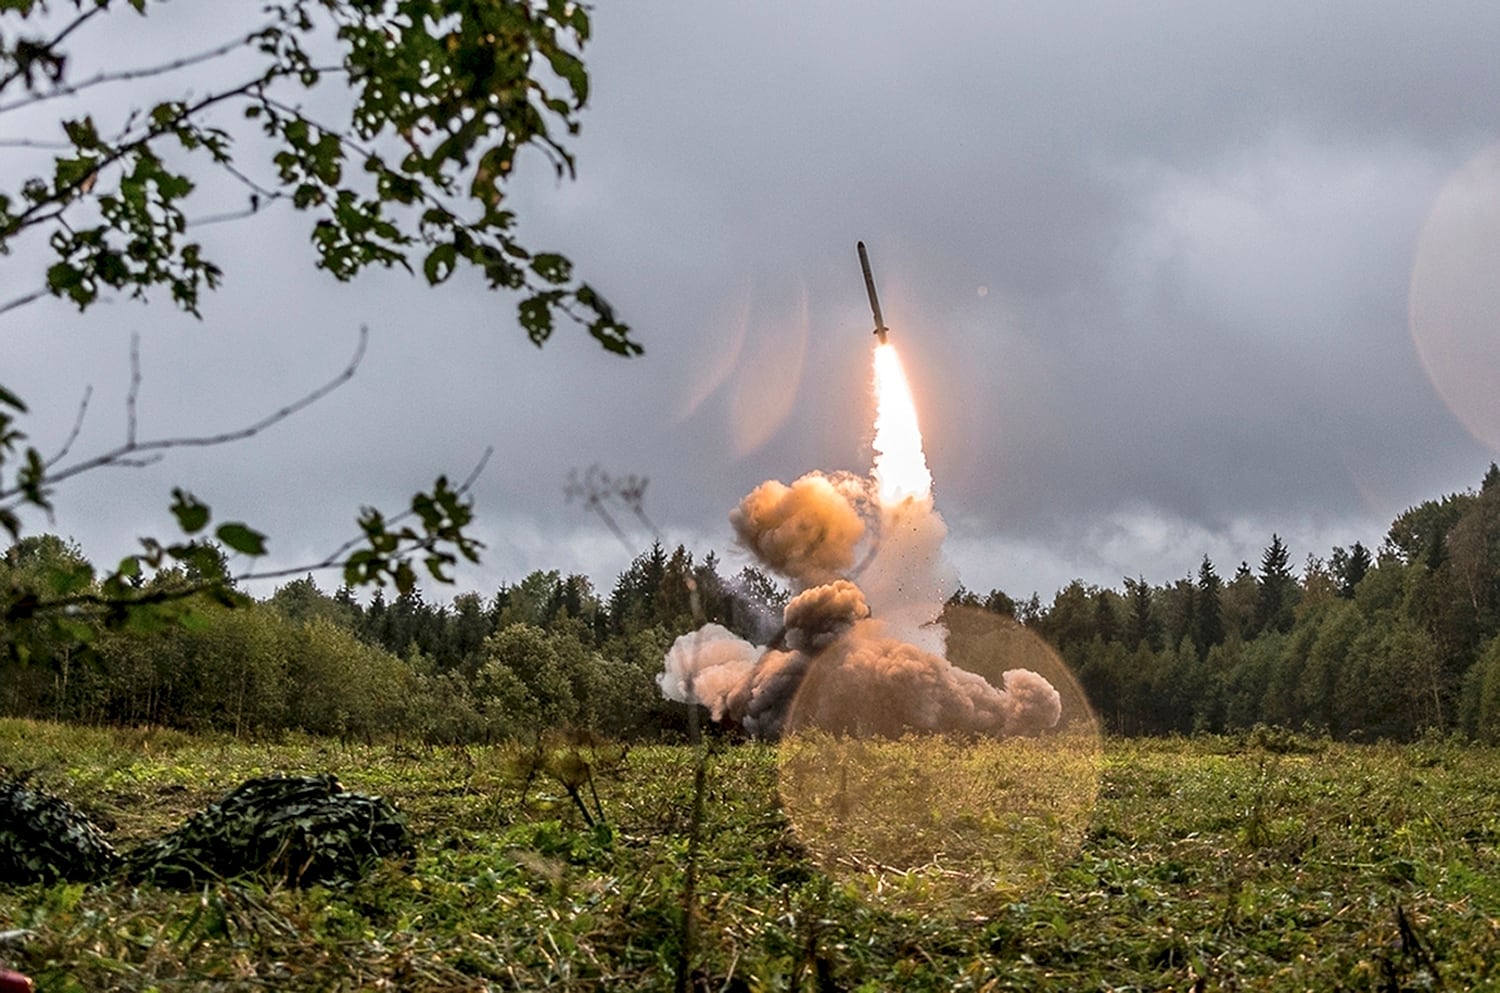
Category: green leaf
<point>494,166</point>
<point>11,400</point>
<point>68,173</point>
<point>242,539</point>
<point>439,263</point>
<point>67,280</point>
<point>552,267</point>
<point>192,515</point>
<point>570,67</point>
<point>82,133</point>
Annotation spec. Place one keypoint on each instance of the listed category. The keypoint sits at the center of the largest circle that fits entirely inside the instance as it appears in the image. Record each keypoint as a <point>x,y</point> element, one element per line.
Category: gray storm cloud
<point>837,664</point>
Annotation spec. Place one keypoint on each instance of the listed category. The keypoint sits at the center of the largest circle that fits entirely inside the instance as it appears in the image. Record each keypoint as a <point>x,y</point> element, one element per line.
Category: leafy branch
<point>434,103</point>
<point>435,117</point>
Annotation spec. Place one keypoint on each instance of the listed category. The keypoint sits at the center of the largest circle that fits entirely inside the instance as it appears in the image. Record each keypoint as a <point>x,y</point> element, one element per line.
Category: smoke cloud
<point>708,666</point>
<point>808,531</point>
<point>861,650</point>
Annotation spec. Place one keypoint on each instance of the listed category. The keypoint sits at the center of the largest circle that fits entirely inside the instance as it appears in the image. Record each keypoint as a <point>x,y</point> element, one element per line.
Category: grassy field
<point>1266,862</point>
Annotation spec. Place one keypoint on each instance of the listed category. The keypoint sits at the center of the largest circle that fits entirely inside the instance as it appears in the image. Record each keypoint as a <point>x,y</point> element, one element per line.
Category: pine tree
<point>997,602</point>
<point>1140,624</point>
<point>1349,566</point>
<point>1278,589</point>
<point>1208,617</point>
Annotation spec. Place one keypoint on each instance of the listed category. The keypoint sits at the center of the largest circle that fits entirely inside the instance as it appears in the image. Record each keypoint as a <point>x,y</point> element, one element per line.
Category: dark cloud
<point>1148,265</point>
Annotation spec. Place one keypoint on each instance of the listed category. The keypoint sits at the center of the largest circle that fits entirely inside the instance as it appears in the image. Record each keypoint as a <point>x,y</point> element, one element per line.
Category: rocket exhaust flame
<point>900,465</point>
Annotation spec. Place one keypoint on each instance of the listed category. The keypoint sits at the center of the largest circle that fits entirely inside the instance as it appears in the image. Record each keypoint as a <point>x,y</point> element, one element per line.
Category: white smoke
<point>707,666</point>
<point>908,580</point>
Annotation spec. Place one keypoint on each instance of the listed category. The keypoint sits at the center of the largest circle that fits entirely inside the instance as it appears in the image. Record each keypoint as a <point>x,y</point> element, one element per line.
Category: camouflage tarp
<point>299,829</point>
<point>44,838</point>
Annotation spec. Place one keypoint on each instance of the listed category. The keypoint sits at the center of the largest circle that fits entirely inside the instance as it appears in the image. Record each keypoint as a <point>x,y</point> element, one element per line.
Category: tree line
<point>1390,644</point>
<point>549,651</point>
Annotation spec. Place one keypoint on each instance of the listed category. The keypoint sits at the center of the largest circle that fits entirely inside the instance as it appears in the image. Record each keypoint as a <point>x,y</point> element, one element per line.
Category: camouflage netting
<point>44,838</point>
<point>299,829</point>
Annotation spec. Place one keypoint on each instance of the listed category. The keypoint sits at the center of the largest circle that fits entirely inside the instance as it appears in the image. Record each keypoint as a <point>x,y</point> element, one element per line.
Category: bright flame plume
<point>900,466</point>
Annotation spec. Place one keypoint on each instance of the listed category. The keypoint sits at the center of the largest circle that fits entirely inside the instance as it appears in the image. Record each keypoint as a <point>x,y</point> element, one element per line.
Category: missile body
<point>864,264</point>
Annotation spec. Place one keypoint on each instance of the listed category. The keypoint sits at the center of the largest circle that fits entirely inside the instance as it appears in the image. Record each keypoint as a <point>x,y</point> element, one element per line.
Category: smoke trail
<point>907,580</point>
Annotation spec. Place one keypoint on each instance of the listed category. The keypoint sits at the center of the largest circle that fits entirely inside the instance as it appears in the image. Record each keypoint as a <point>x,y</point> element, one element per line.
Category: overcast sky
<point>1167,277</point>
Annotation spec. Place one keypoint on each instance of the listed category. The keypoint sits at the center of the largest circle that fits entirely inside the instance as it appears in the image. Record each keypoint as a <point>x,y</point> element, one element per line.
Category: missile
<point>864,264</point>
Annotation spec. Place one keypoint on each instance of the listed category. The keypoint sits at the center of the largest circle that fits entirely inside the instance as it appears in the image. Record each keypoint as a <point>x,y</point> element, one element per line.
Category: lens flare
<point>1455,297</point>
<point>900,467</point>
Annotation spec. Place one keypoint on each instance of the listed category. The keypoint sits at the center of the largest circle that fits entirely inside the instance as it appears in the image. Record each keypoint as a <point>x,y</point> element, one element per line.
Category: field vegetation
<point>1260,861</point>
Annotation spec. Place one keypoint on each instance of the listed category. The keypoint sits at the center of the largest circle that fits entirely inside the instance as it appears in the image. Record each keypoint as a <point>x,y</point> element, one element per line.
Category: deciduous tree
<point>424,110</point>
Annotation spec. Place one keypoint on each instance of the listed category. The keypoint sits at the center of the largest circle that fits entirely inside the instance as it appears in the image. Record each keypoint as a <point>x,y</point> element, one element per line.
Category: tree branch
<point>22,301</point>
<point>83,406</point>
<point>597,488</point>
<point>61,196</point>
<point>185,591</point>
<point>126,75</point>
<point>21,67</point>
<point>128,453</point>
<point>335,558</point>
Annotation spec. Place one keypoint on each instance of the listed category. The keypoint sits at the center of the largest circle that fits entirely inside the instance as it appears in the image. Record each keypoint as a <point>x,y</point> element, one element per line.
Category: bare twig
<point>126,75</point>
<point>596,489</point>
<point>22,301</point>
<point>134,452</point>
<point>51,146</point>
<point>259,196</point>
<point>134,392</point>
<point>83,407</point>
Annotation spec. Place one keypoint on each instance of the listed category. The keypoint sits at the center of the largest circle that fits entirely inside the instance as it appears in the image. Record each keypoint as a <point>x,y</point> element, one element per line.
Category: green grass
<point>1260,863</point>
